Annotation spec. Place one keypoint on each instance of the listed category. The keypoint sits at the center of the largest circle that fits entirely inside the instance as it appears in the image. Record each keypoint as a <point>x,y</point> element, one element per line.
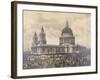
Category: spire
<point>35,34</point>
<point>42,36</point>
<point>35,39</point>
<point>42,29</point>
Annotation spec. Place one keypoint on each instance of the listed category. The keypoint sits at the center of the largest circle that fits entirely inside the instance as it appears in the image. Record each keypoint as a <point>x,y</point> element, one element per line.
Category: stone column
<point>71,49</point>
<point>66,50</point>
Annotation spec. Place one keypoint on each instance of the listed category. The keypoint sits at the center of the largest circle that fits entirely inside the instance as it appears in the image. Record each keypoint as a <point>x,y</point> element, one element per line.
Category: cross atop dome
<point>67,24</point>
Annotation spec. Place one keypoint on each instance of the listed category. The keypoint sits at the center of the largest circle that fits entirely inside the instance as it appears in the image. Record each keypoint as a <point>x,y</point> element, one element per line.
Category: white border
<point>21,72</point>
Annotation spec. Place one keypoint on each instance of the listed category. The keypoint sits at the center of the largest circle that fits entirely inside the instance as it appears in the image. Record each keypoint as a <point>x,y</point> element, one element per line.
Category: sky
<point>53,24</point>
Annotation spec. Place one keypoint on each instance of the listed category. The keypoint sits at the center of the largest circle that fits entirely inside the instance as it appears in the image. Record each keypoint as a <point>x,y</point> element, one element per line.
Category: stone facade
<point>66,43</point>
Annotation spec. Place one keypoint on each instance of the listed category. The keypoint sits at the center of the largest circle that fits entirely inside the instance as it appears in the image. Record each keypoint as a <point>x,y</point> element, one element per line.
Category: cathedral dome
<point>67,30</point>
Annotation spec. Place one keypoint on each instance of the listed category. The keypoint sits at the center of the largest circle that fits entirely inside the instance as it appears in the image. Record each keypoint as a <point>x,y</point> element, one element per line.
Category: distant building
<point>66,43</point>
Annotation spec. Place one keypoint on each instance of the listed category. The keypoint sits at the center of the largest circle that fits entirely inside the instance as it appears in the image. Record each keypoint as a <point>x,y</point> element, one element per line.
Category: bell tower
<point>35,40</point>
<point>42,37</point>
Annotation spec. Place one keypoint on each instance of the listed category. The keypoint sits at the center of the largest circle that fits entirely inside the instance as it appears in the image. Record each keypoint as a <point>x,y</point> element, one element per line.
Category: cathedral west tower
<point>42,37</point>
<point>35,40</point>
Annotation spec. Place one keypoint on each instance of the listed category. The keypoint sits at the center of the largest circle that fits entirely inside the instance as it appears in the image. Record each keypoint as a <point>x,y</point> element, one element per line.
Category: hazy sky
<point>53,23</point>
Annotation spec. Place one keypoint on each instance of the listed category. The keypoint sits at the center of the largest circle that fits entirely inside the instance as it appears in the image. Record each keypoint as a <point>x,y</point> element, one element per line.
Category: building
<point>66,42</point>
<point>43,55</point>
